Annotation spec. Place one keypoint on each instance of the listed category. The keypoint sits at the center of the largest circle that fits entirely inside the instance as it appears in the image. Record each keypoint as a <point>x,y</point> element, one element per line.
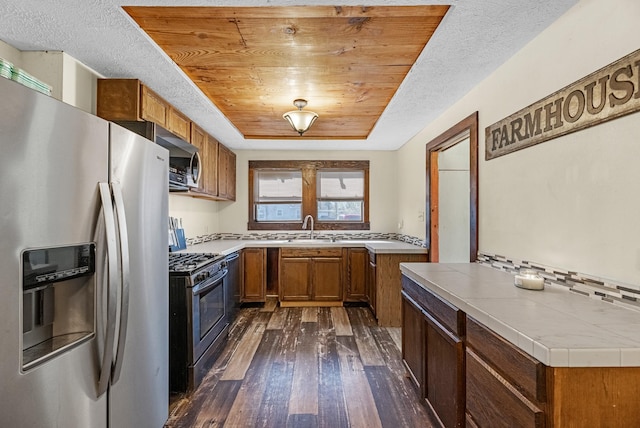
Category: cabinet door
<point>326,278</point>
<point>253,274</point>
<point>444,386</point>
<point>493,402</point>
<point>119,99</point>
<point>356,278</point>
<point>371,283</point>
<point>295,279</point>
<point>210,167</point>
<point>153,108</point>
<point>231,176</point>
<point>199,139</point>
<point>226,173</point>
<point>224,168</point>
<point>413,339</point>
<point>179,124</point>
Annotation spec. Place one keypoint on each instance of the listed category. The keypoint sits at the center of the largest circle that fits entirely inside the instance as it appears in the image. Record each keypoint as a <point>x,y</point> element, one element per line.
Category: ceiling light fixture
<point>300,120</point>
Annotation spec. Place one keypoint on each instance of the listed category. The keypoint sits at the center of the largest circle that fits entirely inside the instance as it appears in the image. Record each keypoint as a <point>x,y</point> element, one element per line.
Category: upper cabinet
<point>126,100</point>
<point>226,173</point>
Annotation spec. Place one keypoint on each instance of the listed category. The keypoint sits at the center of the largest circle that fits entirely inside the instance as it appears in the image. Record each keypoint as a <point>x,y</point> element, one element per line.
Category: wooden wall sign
<point>606,94</point>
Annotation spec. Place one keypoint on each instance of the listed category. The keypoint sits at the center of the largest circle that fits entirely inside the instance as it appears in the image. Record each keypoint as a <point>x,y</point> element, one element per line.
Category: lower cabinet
<point>433,352</point>
<point>494,402</point>
<point>413,340</point>
<point>371,283</point>
<point>385,285</point>
<point>505,386</point>
<point>471,376</point>
<point>311,274</point>
<point>444,374</point>
<point>254,280</point>
<point>355,289</point>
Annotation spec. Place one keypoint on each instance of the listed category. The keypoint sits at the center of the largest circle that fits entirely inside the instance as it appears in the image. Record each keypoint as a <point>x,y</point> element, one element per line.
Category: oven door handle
<point>209,283</point>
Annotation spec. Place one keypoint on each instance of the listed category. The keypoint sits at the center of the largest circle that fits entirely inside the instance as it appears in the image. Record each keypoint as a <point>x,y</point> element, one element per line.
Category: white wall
<point>199,216</point>
<point>70,81</point>
<point>572,202</point>
<point>233,216</point>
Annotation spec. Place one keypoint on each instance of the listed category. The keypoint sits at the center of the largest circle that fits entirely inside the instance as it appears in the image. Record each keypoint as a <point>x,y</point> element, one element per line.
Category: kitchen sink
<point>311,241</point>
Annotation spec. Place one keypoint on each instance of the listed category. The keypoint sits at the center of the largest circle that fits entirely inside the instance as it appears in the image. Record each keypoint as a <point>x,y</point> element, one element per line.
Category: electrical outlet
<point>400,224</point>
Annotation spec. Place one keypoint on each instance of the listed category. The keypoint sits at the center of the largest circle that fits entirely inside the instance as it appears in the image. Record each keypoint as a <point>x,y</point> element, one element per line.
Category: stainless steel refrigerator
<point>83,269</point>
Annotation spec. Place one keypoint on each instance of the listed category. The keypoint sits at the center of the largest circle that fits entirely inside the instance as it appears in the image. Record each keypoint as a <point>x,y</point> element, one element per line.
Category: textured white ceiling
<point>474,38</point>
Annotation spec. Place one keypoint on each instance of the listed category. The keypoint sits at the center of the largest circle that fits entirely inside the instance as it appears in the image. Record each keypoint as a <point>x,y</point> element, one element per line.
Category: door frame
<point>449,138</point>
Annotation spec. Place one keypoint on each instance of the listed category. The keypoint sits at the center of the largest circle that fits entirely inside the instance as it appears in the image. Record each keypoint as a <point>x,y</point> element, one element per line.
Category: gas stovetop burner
<point>189,262</point>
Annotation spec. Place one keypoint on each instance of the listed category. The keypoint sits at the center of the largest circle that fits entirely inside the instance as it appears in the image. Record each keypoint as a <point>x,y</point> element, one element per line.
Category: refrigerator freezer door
<point>53,157</point>
<point>139,396</point>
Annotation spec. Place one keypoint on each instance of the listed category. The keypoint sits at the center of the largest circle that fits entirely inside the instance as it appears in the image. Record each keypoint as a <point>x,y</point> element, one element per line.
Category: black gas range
<point>186,264</point>
<point>198,316</point>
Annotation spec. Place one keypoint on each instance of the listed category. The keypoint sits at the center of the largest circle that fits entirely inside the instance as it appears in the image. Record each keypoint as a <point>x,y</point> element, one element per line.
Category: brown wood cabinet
<point>433,351</point>
<point>131,100</point>
<point>469,374</point>
<point>226,173</point>
<point>385,286</point>
<point>179,124</point>
<point>126,100</point>
<point>254,279</point>
<point>355,289</point>
<point>413,338</point>
<point>311,274</point>
<point>371,282</point>
<point>152,108</point>
<point>444,375</point>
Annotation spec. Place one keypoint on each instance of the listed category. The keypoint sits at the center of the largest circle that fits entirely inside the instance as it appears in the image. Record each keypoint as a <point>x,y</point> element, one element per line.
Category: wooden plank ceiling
<point>252,62</point>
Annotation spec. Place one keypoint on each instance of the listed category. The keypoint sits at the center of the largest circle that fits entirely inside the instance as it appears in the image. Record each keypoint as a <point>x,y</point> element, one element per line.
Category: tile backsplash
<point>587,285</point>
<point>304,235</point>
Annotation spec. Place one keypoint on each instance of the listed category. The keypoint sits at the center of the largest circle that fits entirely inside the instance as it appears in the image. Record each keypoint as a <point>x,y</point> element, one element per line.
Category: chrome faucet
<point>304,225</point>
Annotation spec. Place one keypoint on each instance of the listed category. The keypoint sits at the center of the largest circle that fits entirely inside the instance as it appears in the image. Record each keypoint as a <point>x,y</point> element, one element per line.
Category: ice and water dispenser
<point>58,300</point>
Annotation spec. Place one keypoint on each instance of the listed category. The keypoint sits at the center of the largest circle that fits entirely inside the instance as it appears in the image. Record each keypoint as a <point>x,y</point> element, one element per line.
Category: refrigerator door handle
<point>112,257</point>
<point>126,276</point>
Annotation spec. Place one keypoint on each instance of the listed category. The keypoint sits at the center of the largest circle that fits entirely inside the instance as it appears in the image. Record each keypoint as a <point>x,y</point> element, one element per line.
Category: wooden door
<point>371,283</point>
<point>211,166</point>
<point>179,124</point>
<point>444,385</point>
<point>253,275</point>
<point>295,279</point>
<point>153,108</point>
<point>356,276</point>
<point>413,340</point>
<point>326,278</point>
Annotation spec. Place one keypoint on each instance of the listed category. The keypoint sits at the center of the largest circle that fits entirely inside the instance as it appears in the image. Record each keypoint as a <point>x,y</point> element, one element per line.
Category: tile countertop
<point>378,246</point>
<point>555,326</point>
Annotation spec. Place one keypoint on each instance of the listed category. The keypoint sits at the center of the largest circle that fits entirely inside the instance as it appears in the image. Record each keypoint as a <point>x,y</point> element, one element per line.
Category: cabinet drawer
<point>311,252</point>
<point>524,372</point>
<point>492,402</point>
<point>447,314</point>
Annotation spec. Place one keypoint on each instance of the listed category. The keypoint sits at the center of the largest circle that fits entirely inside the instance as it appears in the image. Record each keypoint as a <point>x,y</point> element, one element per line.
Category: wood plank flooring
<point>305,367</point>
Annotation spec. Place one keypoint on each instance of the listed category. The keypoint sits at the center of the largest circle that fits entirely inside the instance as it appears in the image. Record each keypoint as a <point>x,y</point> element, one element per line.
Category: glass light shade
<point>300,120</point>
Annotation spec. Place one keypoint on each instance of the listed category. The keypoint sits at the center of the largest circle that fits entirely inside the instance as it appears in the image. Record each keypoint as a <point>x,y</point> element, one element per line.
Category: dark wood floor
<point>305,367</point>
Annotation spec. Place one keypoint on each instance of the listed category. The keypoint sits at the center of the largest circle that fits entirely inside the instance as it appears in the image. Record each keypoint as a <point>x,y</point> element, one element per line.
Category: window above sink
<point>334,193</point>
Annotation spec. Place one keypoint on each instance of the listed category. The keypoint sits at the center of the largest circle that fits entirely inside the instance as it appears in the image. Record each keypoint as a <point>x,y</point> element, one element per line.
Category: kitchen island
<point>514,357</point>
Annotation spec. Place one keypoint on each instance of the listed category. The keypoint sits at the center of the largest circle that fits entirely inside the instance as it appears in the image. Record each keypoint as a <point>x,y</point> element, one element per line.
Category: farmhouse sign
<point>606,94</point>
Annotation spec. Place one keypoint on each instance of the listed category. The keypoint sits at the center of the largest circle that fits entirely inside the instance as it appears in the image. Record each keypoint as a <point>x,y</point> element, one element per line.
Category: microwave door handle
<point>196,157</point>
<point>112,286</point>
<point>126,278</point>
